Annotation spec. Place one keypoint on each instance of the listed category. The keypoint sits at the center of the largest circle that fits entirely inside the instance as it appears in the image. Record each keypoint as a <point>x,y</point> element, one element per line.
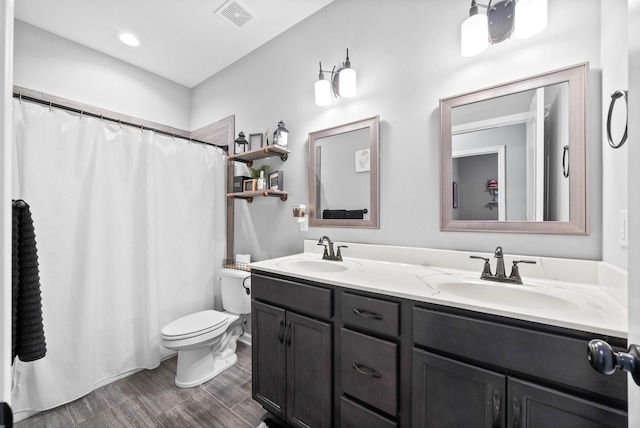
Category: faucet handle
<point>325,254</point>
<point>486,269</point>
<point>338,254</point>
<point>515,271</point>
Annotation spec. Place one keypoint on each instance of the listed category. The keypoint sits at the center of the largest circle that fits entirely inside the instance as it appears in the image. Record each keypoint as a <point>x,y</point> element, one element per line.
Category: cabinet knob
<point>605,360</point>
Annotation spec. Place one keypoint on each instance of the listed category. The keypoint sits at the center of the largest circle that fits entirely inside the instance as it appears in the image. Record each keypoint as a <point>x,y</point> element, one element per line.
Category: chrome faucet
<point>329,253</point>
<point>500,262</point>
<point>500,275</point>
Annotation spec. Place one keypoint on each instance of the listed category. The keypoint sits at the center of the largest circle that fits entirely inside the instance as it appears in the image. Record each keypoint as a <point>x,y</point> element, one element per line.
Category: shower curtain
<point>130,231</point>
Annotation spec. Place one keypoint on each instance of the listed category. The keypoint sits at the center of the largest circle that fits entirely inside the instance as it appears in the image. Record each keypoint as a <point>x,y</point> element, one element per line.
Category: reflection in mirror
<point>343,175</point>
<point>506,152</point>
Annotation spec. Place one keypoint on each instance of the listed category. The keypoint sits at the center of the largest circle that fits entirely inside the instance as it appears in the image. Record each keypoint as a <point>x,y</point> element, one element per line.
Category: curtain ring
<point>614,98</point>
<point>565,161</point>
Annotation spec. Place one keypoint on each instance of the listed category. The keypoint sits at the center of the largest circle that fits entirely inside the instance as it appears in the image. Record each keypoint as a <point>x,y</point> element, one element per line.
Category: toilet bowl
<point>206,341</point>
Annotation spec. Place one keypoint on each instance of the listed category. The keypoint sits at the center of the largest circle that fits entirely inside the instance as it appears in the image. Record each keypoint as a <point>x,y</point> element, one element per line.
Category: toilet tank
<point>234,294</point>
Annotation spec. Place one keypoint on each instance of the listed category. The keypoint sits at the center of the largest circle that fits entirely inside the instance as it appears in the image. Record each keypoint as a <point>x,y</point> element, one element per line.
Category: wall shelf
<point>262,152</point>
<point>266,193</point>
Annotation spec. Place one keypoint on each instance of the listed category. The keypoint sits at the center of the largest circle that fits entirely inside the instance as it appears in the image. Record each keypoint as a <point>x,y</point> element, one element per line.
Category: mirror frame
<point>373,124</point>
<point>578,223</point>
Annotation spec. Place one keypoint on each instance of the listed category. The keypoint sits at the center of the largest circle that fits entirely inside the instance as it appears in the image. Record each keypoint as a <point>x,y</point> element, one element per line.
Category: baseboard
<point>245,338</point>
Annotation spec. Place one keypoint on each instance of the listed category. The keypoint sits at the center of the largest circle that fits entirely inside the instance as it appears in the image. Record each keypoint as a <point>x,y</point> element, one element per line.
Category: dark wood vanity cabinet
<point>369,361</point>
<point>476,372</point>
<point>327,356</point>
<point>292,353</point>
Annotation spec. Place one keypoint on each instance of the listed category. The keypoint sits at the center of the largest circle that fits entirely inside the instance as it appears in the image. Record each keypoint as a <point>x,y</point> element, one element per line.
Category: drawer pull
<point>367,314</point>
<point>361,368</point>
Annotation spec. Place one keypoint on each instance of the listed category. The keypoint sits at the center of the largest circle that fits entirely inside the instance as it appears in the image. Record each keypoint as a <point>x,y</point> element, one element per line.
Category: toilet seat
<point>198,324</point>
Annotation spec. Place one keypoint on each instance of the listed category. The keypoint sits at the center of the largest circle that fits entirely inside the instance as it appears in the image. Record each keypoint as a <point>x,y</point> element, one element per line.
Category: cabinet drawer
<point>303,298</point>
<point>556,358</point>
<point>369,369</point>
<point>353,415</point>
<point>373,314</point>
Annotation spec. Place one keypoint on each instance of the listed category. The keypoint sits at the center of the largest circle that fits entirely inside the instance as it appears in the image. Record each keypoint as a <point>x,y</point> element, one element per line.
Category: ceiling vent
<point>235,13</point>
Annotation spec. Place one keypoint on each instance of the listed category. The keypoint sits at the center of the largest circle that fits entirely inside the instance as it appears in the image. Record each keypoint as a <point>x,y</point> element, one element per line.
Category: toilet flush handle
<point>246,289</point>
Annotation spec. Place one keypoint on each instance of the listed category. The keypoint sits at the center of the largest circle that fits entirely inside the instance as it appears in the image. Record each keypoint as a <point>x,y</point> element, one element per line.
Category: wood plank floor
<point>150,398</point>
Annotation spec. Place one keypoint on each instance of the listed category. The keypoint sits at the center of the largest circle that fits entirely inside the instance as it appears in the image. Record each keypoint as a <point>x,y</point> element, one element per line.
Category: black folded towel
<point>343,214</point>
<point>28,331</point>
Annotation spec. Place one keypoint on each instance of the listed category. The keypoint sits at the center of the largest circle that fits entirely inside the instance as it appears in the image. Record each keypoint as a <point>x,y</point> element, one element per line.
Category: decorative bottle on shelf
<point>261,182</point>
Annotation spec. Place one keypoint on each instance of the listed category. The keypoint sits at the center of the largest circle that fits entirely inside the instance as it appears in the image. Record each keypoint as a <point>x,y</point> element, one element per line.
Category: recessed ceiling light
<point>129,39</point>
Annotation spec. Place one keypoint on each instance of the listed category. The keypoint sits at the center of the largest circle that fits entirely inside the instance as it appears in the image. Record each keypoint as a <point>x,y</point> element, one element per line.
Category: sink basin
<point>316,266</point>
<point>521,296</point>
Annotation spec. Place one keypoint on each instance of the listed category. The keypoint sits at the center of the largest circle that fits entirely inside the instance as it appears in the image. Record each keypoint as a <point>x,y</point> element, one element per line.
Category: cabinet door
<point>534,406</point>
<point>309,375</point>
<point>450,394</point>
<point>268,357</point>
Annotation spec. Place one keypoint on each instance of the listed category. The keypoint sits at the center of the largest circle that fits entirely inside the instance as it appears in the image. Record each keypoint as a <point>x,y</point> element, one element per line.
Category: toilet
<point>206,341</point>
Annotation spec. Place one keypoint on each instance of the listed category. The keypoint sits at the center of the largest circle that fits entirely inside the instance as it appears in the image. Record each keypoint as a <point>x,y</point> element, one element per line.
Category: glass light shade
<point>323,92</point>
<point>474,35</point>
<point>530,18</point>
<point>347,82</point>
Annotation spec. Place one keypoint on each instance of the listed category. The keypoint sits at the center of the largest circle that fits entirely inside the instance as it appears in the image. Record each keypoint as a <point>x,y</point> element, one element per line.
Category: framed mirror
<point>343,175</point>
<point>514,156</point>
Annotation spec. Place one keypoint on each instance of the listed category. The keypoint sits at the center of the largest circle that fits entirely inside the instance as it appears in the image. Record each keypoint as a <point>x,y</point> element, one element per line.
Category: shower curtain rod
<point>51,104</point>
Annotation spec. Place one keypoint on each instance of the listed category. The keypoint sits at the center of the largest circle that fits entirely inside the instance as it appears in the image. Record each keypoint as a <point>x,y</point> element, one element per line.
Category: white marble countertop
<point>591,306</point>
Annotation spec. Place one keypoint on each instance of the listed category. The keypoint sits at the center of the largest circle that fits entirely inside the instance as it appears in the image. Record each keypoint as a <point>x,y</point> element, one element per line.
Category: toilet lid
<point>194,324</point>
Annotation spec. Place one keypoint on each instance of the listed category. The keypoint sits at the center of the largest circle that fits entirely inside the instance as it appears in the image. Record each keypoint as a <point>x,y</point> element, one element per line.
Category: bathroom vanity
<point>378,343</point>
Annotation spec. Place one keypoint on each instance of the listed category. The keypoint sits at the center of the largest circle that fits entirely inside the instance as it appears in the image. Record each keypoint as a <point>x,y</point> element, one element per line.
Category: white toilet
<point>206,340</point>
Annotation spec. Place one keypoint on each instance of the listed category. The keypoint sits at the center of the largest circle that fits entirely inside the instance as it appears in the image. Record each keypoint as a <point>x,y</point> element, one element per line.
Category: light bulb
<point>323,92</point>
<point>347,82</point>
<point>530,18</point>
<point>474,33</point>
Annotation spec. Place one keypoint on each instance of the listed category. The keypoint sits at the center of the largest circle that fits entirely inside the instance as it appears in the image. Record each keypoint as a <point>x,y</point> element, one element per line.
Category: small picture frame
<point>249,185</point>
<point>362,160</point>
<point>276,180</point>
<point>255,141</point>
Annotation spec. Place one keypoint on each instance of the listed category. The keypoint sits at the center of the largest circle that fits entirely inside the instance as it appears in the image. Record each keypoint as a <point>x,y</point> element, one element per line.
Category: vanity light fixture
<point>342,83</point>
<point>129,39</point>
<point>503,18</point>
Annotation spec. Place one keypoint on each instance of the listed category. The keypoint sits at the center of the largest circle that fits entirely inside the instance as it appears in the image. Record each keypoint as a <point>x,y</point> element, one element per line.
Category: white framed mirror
<point>343,175</point>
<point>513,156</point>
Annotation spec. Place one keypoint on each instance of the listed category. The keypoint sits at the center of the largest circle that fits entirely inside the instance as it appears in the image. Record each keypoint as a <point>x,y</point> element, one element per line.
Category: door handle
<point>281,330</point>
<point>496,408</point>
<point>288,334</point>
<point>604,360</point>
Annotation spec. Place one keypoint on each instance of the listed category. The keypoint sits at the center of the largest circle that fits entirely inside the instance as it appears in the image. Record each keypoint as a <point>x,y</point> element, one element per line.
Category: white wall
<point>614,162</point>
<point>407,56</point>
<point>47,63</point>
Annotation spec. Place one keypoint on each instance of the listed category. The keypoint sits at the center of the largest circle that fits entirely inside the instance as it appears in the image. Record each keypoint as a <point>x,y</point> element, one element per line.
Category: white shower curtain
<point>130,231</point>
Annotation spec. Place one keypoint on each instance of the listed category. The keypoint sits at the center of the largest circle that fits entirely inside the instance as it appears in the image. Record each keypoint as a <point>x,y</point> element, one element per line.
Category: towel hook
<point>614,98</point>
<point>565,161</point>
